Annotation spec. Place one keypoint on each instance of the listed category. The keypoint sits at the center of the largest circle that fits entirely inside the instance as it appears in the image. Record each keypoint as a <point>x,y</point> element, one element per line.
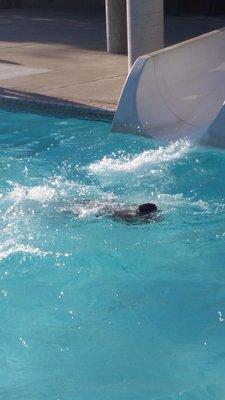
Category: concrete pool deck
<point>54,57</point>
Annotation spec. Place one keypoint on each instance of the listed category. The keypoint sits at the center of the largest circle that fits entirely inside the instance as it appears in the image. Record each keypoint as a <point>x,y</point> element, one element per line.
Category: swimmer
<point>144,213</point>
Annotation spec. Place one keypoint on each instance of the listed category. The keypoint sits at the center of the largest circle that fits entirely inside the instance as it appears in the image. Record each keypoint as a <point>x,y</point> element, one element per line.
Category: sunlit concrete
<point>15,71</point>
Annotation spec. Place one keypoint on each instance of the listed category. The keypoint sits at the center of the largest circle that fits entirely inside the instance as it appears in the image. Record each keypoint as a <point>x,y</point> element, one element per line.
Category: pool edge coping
<point>57,108</point>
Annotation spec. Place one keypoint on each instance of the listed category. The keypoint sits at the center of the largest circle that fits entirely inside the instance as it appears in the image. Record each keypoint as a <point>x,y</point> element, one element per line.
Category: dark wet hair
<point>147,208</point>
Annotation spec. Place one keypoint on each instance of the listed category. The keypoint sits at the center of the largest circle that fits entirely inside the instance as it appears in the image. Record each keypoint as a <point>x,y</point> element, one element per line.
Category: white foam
<point>7,249</point>
<point>40,194</point>
<point>76,190</point>
<point>87,209</point>
<point>171,152</point>
<point>174,201</point>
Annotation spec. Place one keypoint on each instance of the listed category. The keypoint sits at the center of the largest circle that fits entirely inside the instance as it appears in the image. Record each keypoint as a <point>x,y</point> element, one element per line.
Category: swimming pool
<point>93,308</point>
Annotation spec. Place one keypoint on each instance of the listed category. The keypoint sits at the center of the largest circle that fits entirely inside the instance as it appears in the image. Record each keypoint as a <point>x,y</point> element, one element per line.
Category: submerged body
<point>143,213</point>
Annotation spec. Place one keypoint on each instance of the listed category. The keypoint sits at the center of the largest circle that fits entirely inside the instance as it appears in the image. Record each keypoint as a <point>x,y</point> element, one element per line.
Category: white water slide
<point>177,91</point>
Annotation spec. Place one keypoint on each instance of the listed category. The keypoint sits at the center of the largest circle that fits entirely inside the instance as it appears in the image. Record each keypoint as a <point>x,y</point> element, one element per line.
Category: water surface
<point>97,309</point>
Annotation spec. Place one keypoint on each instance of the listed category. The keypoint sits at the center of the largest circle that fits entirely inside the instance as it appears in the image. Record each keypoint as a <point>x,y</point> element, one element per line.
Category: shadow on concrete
<point>87,31</point>
<point>43,26</point>
<point>9,62</point>
<point>184,27</point>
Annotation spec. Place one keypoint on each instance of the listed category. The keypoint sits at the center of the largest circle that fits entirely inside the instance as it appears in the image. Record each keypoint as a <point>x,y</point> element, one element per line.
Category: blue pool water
<point>96,309</point>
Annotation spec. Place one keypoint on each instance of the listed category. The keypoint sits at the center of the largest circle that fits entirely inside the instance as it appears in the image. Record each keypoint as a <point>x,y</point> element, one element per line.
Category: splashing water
<point>105,309</point>
<point>41,194</point>
<point>12,247</point>
<point>146,158</point>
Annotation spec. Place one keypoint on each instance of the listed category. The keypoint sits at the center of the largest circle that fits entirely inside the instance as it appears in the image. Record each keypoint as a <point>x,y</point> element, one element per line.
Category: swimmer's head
<point>146,209</point>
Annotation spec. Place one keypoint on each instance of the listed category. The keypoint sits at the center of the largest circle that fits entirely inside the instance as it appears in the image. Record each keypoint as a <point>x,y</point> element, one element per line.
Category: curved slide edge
<point>175,92</point>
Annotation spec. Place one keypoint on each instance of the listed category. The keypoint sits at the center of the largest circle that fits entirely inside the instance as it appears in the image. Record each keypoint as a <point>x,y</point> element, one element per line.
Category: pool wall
<point>43,105</point>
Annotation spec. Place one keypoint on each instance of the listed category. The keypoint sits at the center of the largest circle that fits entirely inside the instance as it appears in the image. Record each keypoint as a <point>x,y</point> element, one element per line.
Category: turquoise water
<point>97,309</point>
